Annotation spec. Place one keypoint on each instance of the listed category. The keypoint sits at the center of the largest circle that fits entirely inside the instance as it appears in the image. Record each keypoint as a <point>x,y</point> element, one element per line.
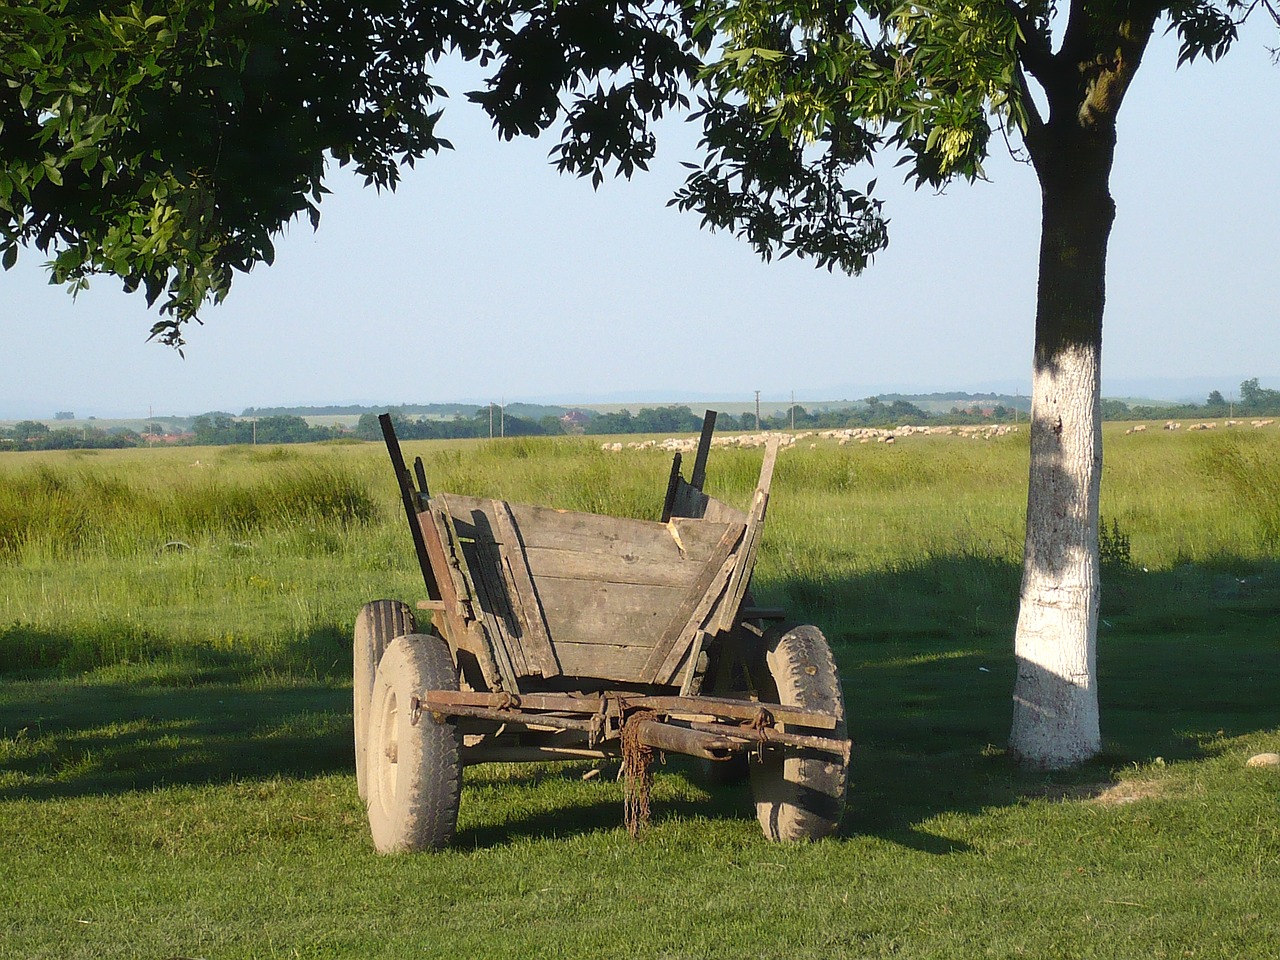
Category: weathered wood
<point>614,704</point>
<point>714,511</point>
<point>495,603</point>
<point>535,638</point>
<point>617,662</point>
<point>692,682</point>
<point>590,534</point>
<point>678,629</point>
<point>673,484</point>
<point>612,568</point>
<point>420,472</point>
<point>706,609</point>
<point>549,720</point>
<point>504,753</point>
<point>699,475</point>
<point>741,580</point>
<point>688,501</point>
<point>495,662</point>
<point>411,502</point>
<point>588,611</point>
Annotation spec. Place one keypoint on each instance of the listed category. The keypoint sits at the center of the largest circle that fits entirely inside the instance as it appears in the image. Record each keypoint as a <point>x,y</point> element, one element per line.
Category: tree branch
<point>1033,49</point>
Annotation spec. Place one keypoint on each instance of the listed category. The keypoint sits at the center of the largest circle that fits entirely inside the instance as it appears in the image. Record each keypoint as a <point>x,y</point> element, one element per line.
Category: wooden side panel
<point>535,638</point>
<point>615,597</point>
<point>591,534</point>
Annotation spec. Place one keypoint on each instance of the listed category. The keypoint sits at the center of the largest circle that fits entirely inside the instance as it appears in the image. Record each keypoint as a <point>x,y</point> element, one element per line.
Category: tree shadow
<point>925,651</point>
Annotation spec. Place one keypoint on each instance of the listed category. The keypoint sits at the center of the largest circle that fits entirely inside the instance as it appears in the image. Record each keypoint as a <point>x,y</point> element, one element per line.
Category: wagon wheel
<point>377,624</point>
<point>800,797</point>
<point>414,760</point>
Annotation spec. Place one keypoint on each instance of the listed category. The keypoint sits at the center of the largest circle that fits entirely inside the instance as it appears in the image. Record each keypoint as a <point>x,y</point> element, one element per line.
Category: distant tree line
<point>34,435</point>
<point>1254,401</point>
<point>217,429</point>
<point>466,421</point>
<point>485,422</point>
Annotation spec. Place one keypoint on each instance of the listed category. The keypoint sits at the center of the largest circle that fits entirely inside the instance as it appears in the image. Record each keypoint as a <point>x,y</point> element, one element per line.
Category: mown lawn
<point>175,743</point>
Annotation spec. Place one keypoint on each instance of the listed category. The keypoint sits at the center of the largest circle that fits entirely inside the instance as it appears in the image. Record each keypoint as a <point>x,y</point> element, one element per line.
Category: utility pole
<point>757,411</point>
<point>502,419</point>
<point>793,411</point>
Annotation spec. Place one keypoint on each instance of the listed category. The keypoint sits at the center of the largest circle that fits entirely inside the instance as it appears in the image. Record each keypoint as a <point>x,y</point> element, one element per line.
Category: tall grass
<point>65,511</point>
<point>266,554</point>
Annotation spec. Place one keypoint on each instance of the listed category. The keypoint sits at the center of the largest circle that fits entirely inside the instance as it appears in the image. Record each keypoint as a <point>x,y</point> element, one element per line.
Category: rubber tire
<point>800,797</point>
<point>414,768</point>
<point>377,624</point>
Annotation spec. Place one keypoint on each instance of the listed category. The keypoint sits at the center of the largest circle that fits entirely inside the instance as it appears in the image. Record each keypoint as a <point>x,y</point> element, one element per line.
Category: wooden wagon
<point>565,635</point>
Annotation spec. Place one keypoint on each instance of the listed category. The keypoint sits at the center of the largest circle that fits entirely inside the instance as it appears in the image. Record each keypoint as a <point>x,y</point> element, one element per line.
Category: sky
<point>488,277</point>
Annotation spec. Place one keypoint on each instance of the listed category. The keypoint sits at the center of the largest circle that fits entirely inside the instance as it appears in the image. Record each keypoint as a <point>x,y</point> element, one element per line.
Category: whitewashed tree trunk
<point>1055,697</point>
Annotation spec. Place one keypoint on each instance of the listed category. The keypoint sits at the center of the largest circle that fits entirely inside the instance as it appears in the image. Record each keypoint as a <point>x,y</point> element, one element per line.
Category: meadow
<point>175,747</point>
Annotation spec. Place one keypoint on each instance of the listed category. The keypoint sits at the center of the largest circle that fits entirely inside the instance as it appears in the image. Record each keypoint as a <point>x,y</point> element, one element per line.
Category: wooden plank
<point>497,653</point>
<point>704,611</point>
<point>535,638</point>
<point>622,663</point>
<point>688,501</point>
<point>692,682</point>
<point>714,511</point>
<point>732,709</point>
<point>581,611</point>
<point>678,626</point>
<point>495,604</point>
<point>412,503</point>
<point>451,622</point>
<point>755,525</point>
<point>699,476</point>
<point>673,482</point>
<point>592,534</point>
<point>612,568</point>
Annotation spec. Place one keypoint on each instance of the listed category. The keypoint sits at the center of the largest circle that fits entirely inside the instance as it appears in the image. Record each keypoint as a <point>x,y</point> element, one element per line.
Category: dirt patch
<point>1108,794</point>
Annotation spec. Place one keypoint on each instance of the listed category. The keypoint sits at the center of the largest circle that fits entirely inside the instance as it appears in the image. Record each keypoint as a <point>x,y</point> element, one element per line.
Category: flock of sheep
<point>871,435</point>
<point>843,437</point>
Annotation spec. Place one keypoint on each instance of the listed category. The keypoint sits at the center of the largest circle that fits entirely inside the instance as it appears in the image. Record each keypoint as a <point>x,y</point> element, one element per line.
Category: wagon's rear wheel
<point>800,796</point>
<point>377,624</point>
<point>414,771</point>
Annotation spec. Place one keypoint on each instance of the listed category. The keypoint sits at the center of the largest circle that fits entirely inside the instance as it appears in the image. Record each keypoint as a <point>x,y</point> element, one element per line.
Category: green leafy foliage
<point>167,142</point>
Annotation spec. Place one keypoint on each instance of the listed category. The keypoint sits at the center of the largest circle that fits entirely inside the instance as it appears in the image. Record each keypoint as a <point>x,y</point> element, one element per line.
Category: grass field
<point>175,749</point>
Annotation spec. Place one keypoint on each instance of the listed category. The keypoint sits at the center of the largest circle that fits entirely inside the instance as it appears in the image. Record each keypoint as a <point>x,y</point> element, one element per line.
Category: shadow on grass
<point>186,716</point>
<point>1185,658</point>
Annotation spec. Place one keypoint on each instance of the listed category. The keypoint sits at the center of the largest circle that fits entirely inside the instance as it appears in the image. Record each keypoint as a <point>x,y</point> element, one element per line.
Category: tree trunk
<point>1055,697</point>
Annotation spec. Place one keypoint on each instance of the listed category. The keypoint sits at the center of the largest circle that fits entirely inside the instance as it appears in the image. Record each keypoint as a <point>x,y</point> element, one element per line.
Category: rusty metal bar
<point>840,748</point>
<point>447,700</point>
<point>430,703</point>
<point>673,739</point>
<point>733,709</point>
